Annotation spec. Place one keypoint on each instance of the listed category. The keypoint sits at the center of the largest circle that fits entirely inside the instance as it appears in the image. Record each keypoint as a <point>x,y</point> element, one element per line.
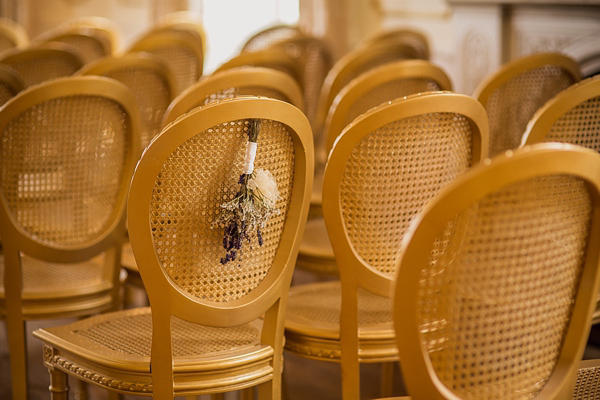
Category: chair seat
<point>312,325</point>
<point>60,290</point>
<point>113,350</point>
<point>315,253</point>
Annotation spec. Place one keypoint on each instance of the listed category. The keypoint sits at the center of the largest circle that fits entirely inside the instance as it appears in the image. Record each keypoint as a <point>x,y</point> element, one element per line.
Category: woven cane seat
<point>313,323</point>
<point>587,385</point>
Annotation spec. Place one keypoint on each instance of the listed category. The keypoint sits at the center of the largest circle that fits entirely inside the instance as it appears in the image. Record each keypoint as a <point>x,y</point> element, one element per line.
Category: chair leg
<point>115,396</point>
<point>247,394</point>
<point>17,345</point>
<point>59,389</point>
<point>82,393</point>
<point>387,379</point>
<point>217,396</point>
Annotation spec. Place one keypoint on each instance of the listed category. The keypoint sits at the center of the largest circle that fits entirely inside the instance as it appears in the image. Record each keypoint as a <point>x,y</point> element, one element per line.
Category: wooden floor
<point>304,379</point>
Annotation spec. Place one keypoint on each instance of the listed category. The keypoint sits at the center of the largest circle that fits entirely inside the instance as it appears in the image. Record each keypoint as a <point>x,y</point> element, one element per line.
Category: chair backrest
<point>67,154</point>
<point>315,59</point>
<point>183,177</point>
<point>514,93</point>
<point>379,85</point>
<point>181,51</point>
<point>150,80</point>
<point>105,29</point>
<point>92,43</point>
<point>572,116</point>
<point>385,167</point>
<point>352,65</point>
<point>498,279</point>
<point>410,37</point>
<point>44,62</point>
<point>269,58</point>
<point>183,21</point>
<point>10,84</point>
<point>12,35</point>
<point>242,81</point>
<point>268,37</point>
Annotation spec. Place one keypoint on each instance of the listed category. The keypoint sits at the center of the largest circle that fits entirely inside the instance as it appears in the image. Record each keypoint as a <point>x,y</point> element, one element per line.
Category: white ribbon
<point>249,159</point>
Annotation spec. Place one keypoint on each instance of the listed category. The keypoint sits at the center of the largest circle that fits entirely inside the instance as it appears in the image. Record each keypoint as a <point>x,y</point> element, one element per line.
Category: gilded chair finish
<point>104,29</point>
<point>44,62</point>
<point>68,150</point>
<point>381,172</point>
<point>92,43</point>
<point>182,51</point>
<point>10,84</point>
<point>352,65</point>
<point>270,36</point>
<point>183,21</point>
<point>413,38</point>
<point>497,280</point>
<point>242,81</point>
<point>12,35</point>
<point>269,58</point>
<point>151,81</point>
<point>517,90</point>
<point>203,332</point>
<point>370,89</point>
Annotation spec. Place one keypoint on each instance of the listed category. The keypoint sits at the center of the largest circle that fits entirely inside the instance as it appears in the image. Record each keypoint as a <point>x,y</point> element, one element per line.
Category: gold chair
<point>12,35</point>
<point>186,21</point>
<point>242,81</point>
<point>92,43</point>
<point>352,65</point>
<point>413,38</point>
<point>514,93</point>
<point>44,62</point>
<point>68,150</point>
<point>203,332</point>
<point>10,84</point>
<point>269,58</point>
<point>273,35</point>
<point>381,173</point>
<point>150,80</point>
<point>498,277</point>
<point>182,51</point>
<point>372,88</point>
<point>105,29</point>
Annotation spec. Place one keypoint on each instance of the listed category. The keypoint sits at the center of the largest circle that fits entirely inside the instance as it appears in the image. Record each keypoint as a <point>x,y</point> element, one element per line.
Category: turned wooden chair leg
<point>217,396</point>
<point>247,394</point>
<point>387,379</point>
<point>15,328</point>
<point>59,389</point>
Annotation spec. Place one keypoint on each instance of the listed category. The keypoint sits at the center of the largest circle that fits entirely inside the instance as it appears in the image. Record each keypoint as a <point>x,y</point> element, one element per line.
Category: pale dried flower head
<point>265,182</point>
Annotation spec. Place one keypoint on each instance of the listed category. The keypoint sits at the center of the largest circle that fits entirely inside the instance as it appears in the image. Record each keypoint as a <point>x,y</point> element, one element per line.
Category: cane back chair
<point>47,61</point>
<point>381,172</point>
<point>12,35</point>
<point>242,81</point>
<point>104,29</point>
<point>498,278</point>
<point>370,89</point>
<point>92,43</point>
<point>415,39</point>
<point>183,21</point>
<point>151,81</point>
<point>203,332</point>
<point>10,84</point>
<point>269,58</point>
<point>273,35</point>
<point>352,65</point>
<point>68,150</point>
<point>514,93</point>
<point>182,51</point>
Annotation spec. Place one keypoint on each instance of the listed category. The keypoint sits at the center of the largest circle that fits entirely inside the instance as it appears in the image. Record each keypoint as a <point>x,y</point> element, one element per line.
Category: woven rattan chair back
<point>92,43</point>
<point>106,30</point>
<point>315,59</point>
<point>12,35</point>
<point>268,37</point>
<point>415,39</point>
<point>352,65</point>
<point>181,51</point>
<point>47,61</point>
<point>188,22</point>
<point>383,170</point>
<point>242,81</point>
<point>269,58</point>
<point>498,279</point>
<point>67,152</point>
<point>513,94</point>
<point>191,168</point>
<point>572,116</point>
<point>10,84</point>
<point>150,80</point>
<point>379,85</point>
